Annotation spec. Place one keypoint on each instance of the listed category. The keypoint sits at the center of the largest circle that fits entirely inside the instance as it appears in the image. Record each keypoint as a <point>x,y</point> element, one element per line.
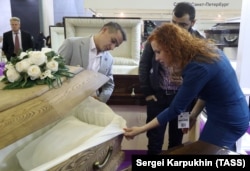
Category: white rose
<point>52,65</point>
<point>23,65</point>
<point>9,66</point>
<point>37,57</point>
<point>46,50</point>
<point>34,72</point>
<point>47,73</point>
<point>22,55</point>
<point>12,75</point>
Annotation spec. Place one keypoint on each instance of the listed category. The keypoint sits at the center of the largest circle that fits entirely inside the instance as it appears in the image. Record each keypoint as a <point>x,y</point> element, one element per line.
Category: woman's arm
<point>197,109</point>
<point>130,133</point>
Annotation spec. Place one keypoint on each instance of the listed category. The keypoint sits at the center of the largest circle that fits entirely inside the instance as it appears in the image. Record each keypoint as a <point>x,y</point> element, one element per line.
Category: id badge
<point>183,120</point>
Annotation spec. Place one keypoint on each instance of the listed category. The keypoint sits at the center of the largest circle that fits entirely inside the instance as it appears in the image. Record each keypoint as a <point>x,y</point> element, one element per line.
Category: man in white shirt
<point>92,53</point>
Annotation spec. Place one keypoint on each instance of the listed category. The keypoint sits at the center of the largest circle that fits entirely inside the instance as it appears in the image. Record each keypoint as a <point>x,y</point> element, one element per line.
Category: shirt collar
<point>92,44</point>
<point>18,32</point>
<point>93,48</point>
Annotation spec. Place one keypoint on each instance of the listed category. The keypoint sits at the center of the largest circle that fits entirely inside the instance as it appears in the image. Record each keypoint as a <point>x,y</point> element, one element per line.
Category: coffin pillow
<point>94,112</point>
<point>63,137</point>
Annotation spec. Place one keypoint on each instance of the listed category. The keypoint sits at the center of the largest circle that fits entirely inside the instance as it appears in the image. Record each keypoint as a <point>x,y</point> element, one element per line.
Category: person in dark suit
<point>48,41</point>
<point>25,39</point>
<point>40,41</point>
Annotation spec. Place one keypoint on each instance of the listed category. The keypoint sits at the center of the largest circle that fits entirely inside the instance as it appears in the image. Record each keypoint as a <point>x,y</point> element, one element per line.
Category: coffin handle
<point>232,40</point>
<point>97,165</point>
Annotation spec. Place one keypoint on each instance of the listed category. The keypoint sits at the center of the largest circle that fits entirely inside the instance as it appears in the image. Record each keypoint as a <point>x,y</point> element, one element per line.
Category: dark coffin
<point>127,91</point>
<point>198,148</point>
<point>224,34</point>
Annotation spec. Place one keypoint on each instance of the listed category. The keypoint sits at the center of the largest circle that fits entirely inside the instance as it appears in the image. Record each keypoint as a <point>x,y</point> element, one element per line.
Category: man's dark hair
<point>113,26</point>
<point>183,8</point>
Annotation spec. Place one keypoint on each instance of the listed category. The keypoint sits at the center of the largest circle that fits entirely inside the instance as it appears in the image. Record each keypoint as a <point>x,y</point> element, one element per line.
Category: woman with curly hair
<point>208,75</point>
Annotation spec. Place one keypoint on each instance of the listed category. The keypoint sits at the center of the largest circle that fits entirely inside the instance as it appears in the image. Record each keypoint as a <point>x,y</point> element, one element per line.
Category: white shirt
<point>19,38</point>
<point>94,58</point>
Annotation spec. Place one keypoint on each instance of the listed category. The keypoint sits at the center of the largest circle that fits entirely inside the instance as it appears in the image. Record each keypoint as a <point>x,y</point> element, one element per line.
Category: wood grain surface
<point>84,160</point>
<point>25,111</point>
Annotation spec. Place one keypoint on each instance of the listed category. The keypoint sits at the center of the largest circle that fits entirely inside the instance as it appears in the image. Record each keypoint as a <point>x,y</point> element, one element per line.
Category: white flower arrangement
<point>35,68</point>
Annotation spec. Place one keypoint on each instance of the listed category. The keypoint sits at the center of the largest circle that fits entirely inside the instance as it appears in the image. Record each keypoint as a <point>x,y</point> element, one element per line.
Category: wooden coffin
<point>106,157</point>
<point>27,113</point>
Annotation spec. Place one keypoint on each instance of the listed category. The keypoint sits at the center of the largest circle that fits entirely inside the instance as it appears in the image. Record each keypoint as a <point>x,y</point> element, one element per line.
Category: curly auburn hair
<point>183,46</point>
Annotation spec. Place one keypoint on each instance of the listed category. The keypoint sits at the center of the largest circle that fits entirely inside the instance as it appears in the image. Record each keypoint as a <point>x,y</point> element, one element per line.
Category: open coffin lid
<point>127,56</point>
<point>31,118</point>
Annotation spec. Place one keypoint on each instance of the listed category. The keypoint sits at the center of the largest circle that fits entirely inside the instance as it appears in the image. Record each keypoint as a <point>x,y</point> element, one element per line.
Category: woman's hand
<point>130,133</point>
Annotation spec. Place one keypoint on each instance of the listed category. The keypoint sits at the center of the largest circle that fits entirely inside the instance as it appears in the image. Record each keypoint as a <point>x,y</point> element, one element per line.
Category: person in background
<point>48,41</point>
<point>40,41</point>
<point>208,75</point>
<point>92,53</point>
<point>25,39</point>
<point>157,87</point>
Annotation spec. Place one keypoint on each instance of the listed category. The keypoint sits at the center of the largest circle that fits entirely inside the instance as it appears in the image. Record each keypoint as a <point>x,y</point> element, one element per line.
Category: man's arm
<point>65,50</point>
<point>108,88</point>
<point>28,42</point>
<point>5,45</point>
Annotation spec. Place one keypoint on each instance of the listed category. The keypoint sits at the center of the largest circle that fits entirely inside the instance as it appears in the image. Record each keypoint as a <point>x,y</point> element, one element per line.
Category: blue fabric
<point>226,106</point>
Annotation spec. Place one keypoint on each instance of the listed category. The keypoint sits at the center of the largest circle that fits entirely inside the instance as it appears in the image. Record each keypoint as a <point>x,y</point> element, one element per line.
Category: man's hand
<point>192,121</point>
<point>151,97</point>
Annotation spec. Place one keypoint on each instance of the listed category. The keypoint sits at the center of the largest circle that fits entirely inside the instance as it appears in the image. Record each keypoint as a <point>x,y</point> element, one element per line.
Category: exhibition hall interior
<point>56,122</point>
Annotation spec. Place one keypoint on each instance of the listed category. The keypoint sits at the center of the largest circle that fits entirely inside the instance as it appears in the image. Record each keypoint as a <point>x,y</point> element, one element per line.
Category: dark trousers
<point>156,135</point>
